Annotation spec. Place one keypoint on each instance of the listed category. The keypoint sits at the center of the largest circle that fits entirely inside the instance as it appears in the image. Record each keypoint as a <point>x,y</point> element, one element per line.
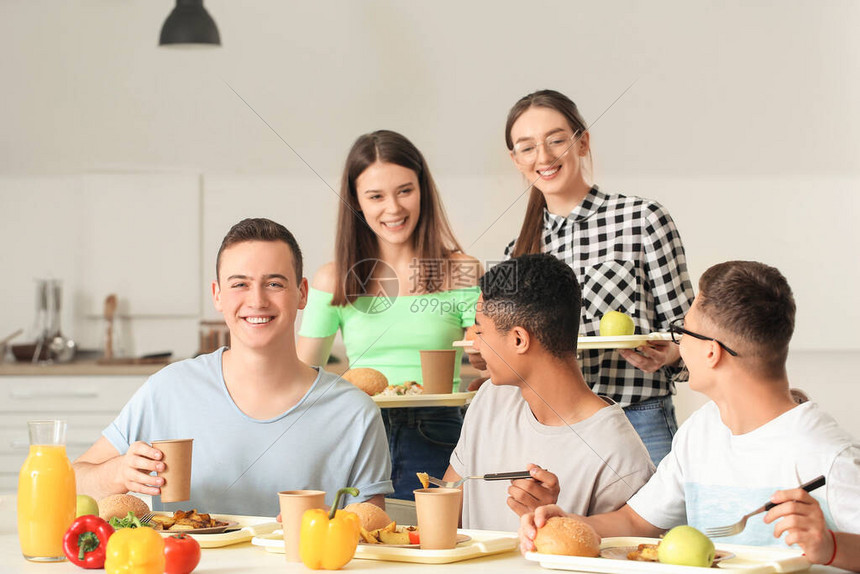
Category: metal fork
<point>146,518</point>
<point>737,527</point>
<point>496,476</point>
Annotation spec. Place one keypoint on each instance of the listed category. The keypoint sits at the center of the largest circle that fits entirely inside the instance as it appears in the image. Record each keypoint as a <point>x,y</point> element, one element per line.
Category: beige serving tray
<point>481,543</point>
<point>746,560</point>
<point>246,528</point>
<point>420,400</point>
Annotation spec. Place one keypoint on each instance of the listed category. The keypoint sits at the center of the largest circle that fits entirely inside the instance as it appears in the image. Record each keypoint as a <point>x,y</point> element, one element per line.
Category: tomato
<point>181,553</point>
<point>414,538</point>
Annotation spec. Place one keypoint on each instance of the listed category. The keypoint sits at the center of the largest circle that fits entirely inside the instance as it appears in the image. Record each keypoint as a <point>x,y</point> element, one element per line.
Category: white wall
<point>740,117</point>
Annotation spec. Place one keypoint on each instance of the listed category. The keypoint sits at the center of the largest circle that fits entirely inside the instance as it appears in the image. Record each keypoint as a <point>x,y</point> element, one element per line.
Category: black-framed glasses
<point>677,330</point>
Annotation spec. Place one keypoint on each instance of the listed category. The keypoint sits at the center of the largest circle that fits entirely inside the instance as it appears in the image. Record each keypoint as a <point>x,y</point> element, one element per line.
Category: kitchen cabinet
<point>88,403</point>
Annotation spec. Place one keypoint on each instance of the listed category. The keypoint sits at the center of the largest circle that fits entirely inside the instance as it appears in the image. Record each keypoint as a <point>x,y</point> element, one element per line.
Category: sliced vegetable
<point>414,537</point>
<point>181,554</point>
<point>85,542</point>
<point>329,540</point>
<point>130,521</point>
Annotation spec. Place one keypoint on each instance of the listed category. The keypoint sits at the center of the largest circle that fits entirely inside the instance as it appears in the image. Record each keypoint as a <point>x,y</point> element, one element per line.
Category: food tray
<point>482,543</point>
<point>621,342</point>
<point>747,560</point>
<point>421,400</point>
<point>246,528</point>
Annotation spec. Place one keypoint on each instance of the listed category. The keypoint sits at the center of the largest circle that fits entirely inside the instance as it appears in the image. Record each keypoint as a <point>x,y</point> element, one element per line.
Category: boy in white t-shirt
<point>753,442</point>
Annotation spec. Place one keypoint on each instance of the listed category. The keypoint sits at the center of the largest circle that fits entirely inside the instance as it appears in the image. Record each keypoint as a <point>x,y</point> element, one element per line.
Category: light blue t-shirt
<point>333,437</point>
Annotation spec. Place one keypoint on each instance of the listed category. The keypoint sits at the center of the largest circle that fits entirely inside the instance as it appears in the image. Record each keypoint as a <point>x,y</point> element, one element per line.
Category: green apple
<point>87,505</point>
<point>616,324</point>
<point>686,546</point>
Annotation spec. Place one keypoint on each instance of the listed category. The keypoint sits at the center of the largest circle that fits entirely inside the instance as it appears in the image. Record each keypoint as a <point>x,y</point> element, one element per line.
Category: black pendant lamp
<point>189,24</point>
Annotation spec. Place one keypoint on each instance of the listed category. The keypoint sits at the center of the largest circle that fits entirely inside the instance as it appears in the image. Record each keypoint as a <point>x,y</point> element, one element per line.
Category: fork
<point>496,476</point>
<point>146,518</point>
<point>737,527</point>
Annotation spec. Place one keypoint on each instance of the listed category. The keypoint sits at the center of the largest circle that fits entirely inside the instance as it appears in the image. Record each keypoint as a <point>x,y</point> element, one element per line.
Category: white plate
<point>747,560</point>
<point>422,400</point>
<point>622,342</point>
<point>482,543</point>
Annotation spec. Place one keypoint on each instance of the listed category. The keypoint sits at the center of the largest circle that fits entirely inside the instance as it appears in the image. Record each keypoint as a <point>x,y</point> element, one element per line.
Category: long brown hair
<point>356,245</point>
<point>531,233</point>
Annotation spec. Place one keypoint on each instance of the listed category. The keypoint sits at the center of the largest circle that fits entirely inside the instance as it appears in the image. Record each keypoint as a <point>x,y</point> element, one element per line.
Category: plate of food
<point>192,522</point>
<point>229,528</point>
<point>646,552</point>
<point>407,394</point>
<point>620,342</point>
<point>395,536</point>
<point>634,555</point>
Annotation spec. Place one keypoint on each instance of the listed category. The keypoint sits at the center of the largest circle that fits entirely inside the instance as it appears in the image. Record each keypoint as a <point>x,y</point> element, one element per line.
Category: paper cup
<point>293,505</point>
<point>438,512</point>
<point>177,471</point>
<point>437,371</point>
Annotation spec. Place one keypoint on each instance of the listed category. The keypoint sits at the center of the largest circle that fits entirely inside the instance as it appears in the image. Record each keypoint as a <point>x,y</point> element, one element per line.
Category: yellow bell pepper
<point>328,540</point>
<point>135,551</point>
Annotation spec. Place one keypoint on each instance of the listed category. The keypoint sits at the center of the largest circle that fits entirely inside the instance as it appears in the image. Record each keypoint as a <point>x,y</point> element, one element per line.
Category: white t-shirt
<point>712,478</point>
<point>332,438</point>
<point>600,462</point>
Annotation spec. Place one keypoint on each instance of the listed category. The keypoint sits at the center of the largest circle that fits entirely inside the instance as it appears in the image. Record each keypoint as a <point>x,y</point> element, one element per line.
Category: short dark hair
<point>754,302</point>
<point>539,293</point>
<point>260,229</point>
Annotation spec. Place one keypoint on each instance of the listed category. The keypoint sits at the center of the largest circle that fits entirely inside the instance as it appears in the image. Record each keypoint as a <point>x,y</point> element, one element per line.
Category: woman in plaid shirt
<point>625,251</point>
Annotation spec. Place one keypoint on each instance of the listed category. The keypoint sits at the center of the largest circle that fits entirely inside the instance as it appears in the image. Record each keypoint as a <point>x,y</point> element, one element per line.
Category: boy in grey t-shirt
<point>537,411</point>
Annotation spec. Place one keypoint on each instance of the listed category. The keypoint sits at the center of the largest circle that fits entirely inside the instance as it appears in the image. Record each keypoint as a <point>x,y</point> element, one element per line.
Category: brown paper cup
<point>437,370</point>
<point>293,506</point>
<point>177,471</point>
<point>438,512</point>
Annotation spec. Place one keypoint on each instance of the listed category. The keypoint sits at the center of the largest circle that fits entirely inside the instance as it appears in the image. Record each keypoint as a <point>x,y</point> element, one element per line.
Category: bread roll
<point>119,505</point>
<point>372,517</point>
<point>567,536</point>
<point>370,381</point>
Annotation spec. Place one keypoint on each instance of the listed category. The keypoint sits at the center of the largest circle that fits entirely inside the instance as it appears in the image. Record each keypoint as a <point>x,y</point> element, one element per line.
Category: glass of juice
<point>46,493</point>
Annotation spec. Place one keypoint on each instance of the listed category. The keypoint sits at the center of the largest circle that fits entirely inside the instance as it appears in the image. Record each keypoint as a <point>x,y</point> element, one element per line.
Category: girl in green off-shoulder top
<point>399,283</point>
<point>389,341</point>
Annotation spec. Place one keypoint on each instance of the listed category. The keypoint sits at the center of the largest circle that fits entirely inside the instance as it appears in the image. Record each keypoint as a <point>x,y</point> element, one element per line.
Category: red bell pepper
<point>85,541</point>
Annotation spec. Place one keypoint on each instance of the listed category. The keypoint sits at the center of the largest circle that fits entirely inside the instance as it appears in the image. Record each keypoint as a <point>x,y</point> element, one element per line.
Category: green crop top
<point>387,335</point>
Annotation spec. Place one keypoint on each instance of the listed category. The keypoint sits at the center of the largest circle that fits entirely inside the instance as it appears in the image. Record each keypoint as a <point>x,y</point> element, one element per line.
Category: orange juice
<point>46,502</point>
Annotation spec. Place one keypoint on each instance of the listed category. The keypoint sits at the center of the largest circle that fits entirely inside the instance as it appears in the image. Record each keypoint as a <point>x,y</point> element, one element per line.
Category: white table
<point>248,558</point>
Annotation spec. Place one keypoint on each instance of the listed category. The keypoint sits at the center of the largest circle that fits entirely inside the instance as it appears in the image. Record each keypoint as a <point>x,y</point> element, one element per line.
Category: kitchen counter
<point>248,558</point>
<point>77,368</point>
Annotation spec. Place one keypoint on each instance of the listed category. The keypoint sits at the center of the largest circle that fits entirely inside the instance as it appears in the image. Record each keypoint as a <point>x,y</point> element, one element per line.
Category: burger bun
<point>567,536</point>
<point>119,505</point>
<point>370,381</point>
<point>371,516</point>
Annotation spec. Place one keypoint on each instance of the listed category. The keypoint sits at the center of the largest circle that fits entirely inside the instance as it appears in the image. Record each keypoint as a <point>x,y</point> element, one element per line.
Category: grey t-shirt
<point>333,437</point>
<point>600,462</point>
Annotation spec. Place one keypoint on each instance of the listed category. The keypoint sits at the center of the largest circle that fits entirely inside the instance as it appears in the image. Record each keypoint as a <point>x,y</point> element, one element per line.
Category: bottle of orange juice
<point>46,493</point>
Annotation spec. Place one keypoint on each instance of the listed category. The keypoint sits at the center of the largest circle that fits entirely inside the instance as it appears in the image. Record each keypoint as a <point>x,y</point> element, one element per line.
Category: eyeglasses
<point>556,144</point>
<point>677,330</point>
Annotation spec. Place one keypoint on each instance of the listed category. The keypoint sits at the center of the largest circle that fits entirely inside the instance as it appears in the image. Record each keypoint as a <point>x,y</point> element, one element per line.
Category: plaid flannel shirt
<point>627,255</point>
